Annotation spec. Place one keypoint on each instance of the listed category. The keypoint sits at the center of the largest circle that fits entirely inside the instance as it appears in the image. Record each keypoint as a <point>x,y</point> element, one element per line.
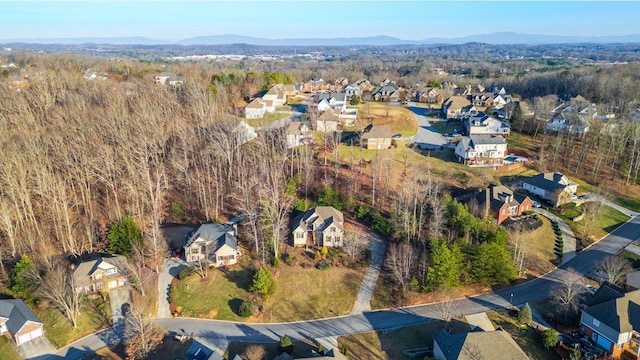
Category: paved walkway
<point>568,238</point>
<point>363,300</point>
<point>168,271</point>
<point>479,321</point>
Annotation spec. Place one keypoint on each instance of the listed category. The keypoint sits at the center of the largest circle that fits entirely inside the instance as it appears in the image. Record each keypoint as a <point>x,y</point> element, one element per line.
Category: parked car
<point>126,309</point>
<point>397,136</point>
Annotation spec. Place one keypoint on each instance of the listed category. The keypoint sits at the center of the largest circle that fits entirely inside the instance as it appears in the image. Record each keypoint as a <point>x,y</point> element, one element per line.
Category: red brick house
<point>500,203</point>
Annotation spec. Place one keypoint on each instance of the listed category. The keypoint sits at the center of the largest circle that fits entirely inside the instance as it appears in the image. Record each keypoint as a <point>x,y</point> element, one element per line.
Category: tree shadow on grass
<point>234,304</point>
<point>240,276</point>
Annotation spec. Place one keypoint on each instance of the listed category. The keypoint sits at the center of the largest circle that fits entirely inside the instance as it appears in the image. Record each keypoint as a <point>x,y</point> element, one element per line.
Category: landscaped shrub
<point>186,272</point>
<point>276,262</point>
<point>288,258</point>
<point>286,345</point>
<point>245,309</point>
<point>323,264</point>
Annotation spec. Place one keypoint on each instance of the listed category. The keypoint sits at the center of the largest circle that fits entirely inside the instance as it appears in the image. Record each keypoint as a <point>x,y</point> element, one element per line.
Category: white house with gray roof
<point>481,150</point>
<point>18,322</point>
<point>215,243</point>
<point>553,187</point>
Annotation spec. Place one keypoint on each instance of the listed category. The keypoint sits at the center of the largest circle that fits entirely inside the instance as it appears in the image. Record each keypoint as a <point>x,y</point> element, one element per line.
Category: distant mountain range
<point>498,38</point>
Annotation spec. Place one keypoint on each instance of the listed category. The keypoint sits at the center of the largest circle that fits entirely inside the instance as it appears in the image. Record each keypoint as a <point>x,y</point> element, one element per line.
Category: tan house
<point>277,95</point>
<point>18,322</point>
<point>329,121</point>
<point>215,243</point>
<point>457,106</point>
<point>481,150</point>
<point>319,226</point>
<point>430,96</point>
<point>376,137</point>
<point>298,133</point>
<point>102,274</point>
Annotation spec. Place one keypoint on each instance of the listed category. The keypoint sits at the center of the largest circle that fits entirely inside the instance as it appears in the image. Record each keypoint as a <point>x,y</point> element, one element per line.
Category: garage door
<point>24,338</point>
<point>113,284</point>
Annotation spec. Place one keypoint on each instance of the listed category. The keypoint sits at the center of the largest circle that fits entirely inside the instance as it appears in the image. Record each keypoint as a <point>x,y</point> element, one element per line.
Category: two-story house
<point>276,95</point>
<point>319,226</point>
<point>500,203</point>
<point>613,320</point>
<point>336,101</point>
<point>377,137</point>
<point>483,124</point>
<point>554,187</point>
<point>102,274</point>
<point>481,150</point>
<point>388,92</point>
<point>213,243</point>
<point>457,106</point>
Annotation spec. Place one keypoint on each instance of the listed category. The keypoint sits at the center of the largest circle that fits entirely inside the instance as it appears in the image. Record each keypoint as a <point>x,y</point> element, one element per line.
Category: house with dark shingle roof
<point>102,274</point>
<point>612,320</point>
<point>553,187</point>
<point>499,202</point>
<point>18,322</point>
<point>496,344</point>
<point>215,243</point>
<point>319,226</point>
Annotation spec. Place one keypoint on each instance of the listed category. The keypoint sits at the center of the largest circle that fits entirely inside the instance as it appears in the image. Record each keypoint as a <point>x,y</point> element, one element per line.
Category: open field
<point>390,344</point>
<point>301,293</point>
<point>399,119</point>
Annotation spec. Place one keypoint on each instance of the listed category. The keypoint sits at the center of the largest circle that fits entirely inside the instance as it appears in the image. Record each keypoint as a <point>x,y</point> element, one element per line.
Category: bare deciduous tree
<point>141,334</point>
<point>58,286</point>
<point>568,293</point>
<point>254,352</point>
<point>400,260</point>
<point>616,269</point>
<point>353,244</point>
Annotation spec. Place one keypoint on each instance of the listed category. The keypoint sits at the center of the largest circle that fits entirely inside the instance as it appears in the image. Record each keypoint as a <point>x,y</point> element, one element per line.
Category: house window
<point>300,235</point>
<point>596,322</point>
<point>111,271</point>
<point>504,211</point>
<point>333,229</point>
<point>99,286</point>
<point>98,276</point>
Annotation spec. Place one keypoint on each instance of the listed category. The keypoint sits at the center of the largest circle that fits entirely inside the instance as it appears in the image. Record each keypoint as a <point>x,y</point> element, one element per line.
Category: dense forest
<point>79,156</point>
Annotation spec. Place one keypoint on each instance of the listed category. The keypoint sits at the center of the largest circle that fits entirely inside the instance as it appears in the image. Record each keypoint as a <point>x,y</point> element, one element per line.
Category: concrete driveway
<point>363,300</point>
<point>118,297</point>
<point>427,137</point>
<point>168,271</point>
<point>37,348</point>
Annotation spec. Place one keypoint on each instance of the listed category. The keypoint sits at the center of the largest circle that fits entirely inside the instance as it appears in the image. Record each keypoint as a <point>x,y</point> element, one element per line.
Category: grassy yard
<point>6,350</point>
<point>267,119</point>
<point>301,294</point>
<point>59,330</point>
<point>629,203</point>
<point>525,336</point>
<point>389,345</point>
<point>448,127</point>
<point>604,224</point>
<point>399,119</point>
<point>539,242</point>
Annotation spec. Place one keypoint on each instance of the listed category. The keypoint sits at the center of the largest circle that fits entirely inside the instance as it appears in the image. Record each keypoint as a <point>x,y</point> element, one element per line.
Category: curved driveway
<point>526,292</point>
<point>568,238</point>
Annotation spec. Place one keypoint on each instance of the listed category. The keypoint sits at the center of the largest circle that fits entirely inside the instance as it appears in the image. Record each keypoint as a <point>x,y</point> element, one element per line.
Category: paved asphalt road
<point>388,319</point>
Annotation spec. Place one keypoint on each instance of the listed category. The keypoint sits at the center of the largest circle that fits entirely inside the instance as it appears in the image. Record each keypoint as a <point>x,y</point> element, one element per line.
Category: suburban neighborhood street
<point>426,137</point>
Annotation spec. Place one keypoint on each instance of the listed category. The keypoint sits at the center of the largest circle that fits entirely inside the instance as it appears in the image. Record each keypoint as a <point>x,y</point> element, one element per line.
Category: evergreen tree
<point>263,283</point>
<point>22,287</point>
<point>123,236</point>
<point>354,100</point>
<point>491,264</point>
<point>549,338</point>
<point>446,264</point>
<point>524,315</point>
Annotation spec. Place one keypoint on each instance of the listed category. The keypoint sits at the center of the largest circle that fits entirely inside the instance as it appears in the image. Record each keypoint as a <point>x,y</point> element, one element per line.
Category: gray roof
<point>83,271</point>
<point>546,181</point>
<point>479,345</point>
<point>222,234</point>
<point>18,314</point>
<point>327,215</point>
<point>621,314</point>
<point>486,140</point>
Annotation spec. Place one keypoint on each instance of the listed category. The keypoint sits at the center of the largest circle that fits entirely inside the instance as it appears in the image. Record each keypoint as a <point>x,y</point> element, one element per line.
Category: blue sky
<point>413,20</point>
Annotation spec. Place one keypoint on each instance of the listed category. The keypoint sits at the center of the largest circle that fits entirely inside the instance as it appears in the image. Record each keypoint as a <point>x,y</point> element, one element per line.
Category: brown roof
<point>257,103</point>
<point>329,115</point>
<point>377,132</point>
<point>479,345</point>
<point>456,102</point>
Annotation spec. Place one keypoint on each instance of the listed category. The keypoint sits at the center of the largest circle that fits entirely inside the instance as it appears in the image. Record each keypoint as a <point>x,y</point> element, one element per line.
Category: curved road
<point>387,319</point>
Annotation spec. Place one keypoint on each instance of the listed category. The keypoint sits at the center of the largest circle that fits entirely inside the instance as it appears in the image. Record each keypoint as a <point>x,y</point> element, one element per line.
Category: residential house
<point>377,137</point>
<point>336,101</point>
<point>101,274</point>
<point>499,101</point>
<point>351,90</point>
<point>215,243</point>
<point>298,133</point>
<point>341,82</point>
<point>612,320</point>
<point>163,77</point>
<point>497,344</point>
<point>499,202</point>
<point>255,110</point>
<point>483,124</point>
<point>319,226</point>
<point>481,99</point>
<point>315,84</point>
<point>18,322</point>
<point>481,150</point>
<point>553,187</point>
<point>364,85</point>
<point>430,96</point>
<point>457,106</point>
<point>568,122</point>
<point>276,95</point>
<point>389,93</point>
<point>329,121</point>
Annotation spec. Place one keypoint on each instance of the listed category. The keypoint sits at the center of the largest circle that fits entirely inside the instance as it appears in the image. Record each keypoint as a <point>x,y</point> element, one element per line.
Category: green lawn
<point>539,248</point>
<point>301,294</point>
<point>525,336</point>
<point>629,203</point>
<point>6,350</point>
<point>389,345</point>
<point>604,224</point>
<point>448,127</point>
<point>59,330</point>
<point>267,119</point>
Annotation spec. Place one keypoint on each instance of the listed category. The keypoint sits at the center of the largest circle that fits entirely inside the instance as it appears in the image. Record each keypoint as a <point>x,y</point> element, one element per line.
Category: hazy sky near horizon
<point>411,20</point>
